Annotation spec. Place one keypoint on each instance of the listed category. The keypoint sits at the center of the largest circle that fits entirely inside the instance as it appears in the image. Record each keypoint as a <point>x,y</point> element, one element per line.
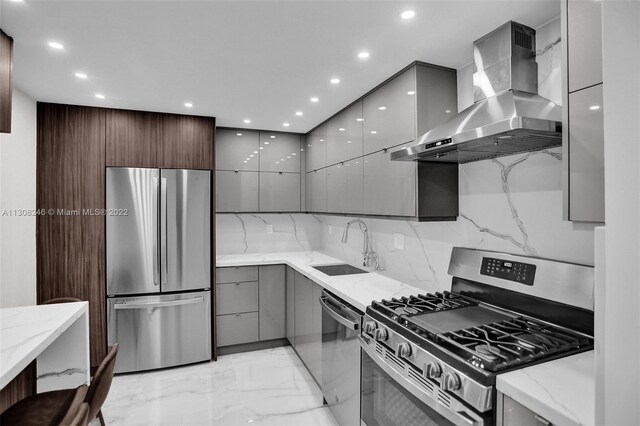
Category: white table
<point>57,335</point>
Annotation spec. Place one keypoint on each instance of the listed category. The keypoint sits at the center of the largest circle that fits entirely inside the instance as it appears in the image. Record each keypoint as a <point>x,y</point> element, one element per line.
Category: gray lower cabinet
<point>512,413</point>
<point>389,186</point>
<point>236,191</point>
<point>272,296</point>
<point>235,329</point>
<point>279,192</point>
<point>586,155</point>
<point>308,324</point>
<point>250,304</point>
<point>291,306</point>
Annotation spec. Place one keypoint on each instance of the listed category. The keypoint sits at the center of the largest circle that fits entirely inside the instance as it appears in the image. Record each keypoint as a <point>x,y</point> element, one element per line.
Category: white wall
<point>617,304</point>
<point>511,204</point>
<point>18,191</point>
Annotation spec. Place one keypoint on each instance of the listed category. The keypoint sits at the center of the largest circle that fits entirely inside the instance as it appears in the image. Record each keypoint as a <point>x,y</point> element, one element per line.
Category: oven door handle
<point>351,325</point>
<point>456,413</point>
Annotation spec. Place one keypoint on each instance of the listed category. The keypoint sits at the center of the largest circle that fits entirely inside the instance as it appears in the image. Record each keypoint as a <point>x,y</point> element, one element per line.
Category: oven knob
<point>432,370</point>
<point>381,334</point>
<point>370,327</point>
<point>403,350</point>
<point>451,382</point>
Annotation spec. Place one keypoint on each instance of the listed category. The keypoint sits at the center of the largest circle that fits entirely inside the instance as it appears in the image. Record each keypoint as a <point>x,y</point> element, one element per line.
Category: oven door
<point>388,398</point>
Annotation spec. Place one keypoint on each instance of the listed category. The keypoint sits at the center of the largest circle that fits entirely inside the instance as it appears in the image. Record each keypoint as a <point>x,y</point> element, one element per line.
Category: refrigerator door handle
<point>145,305</point>
<point>163,228</point>
<point>156,266</point>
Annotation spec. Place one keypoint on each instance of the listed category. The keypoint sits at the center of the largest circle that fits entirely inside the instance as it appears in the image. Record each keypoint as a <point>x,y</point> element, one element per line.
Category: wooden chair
<point>81,417</point>
<point>61,300</point>
<point>47,408</point>
<point>61,406</point>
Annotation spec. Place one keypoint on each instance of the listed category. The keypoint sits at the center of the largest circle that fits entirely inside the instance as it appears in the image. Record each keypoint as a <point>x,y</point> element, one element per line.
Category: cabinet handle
<point>236,171</point>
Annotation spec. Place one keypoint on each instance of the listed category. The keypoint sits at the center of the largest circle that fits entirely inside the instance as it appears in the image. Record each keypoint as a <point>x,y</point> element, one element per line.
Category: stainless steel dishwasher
<point>341,358</point>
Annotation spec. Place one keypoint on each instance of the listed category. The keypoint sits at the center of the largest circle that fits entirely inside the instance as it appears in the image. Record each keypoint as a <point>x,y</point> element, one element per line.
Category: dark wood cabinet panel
<point>22,386</point>
<point>70,180</point>
<point>6,86</point>
<point>132,138</point>
<point>187,142</point>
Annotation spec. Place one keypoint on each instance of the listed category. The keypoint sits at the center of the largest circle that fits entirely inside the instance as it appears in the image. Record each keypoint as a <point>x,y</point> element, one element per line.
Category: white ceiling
<point>261,60</point>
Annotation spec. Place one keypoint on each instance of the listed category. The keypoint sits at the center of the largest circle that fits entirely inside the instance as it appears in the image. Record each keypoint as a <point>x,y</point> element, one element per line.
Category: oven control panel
<point>507,270</point>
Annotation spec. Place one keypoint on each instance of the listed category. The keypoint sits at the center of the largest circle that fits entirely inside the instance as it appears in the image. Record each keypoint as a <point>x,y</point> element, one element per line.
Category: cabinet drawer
<point>235,329</point>
<point>236,274</point>
<point>236,297</point>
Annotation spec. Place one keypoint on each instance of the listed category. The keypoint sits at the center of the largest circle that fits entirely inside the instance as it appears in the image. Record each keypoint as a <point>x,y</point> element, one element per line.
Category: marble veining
<point>267,387</point>
<point>562,391</point>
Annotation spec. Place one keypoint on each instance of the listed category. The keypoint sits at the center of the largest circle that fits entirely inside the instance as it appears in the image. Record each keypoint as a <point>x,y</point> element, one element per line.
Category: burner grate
<point>420,304</point>
<point>500,345</point>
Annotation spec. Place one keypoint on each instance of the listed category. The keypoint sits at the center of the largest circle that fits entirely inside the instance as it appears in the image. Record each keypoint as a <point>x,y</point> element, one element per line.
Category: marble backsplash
<point>511,204</point>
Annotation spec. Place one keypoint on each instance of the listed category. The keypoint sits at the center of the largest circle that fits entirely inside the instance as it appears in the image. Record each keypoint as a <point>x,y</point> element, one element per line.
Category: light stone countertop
<point>562,391</point>
<point>357,289</point>
<point>27,331</point>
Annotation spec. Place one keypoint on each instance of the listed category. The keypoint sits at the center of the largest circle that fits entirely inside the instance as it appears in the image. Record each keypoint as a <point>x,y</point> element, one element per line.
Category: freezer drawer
<point>160,331</point>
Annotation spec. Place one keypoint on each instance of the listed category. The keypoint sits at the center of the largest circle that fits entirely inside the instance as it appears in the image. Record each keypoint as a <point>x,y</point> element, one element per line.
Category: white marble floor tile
<point>268,387</point>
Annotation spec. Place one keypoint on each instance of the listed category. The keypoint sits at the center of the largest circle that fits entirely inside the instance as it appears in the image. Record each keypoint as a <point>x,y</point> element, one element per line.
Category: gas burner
<point>489,352</point>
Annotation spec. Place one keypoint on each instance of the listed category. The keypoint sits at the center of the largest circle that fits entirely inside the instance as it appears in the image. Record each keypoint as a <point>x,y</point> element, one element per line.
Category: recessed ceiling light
<point>262,147</point>
<point>411,92</point>
<point>363,55</point>
<point>56,45</point>
<point>298,113</point>
<point>266,143</point>
<point>245,161</point>
<point>238,134</point>
<point>314,99</point>
<point>447,111</point>
<point>247,121</point>
<point>321,140</point>
<point>188,104</point>
<point>594,107</point>
<point>272,137</point>
<point>282,159</point>
<point>359,119</point>
<point>81,75</point>
<point>373,132</point>
<point>17,1</point>
<point>382,108</point>
<point>288,156</point>
<point>408,14</point>
<point>277,162</point>
<point>255,152</point>
<point>293,153</point>
<point>251,156</point>
<point>335,80</point>
<point>285,124</point>
<point>348,141</point>
<point>341,129</point>
<point>100,96</point>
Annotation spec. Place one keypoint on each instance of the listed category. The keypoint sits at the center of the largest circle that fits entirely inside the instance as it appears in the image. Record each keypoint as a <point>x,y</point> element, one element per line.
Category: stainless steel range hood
<point>508,115</point>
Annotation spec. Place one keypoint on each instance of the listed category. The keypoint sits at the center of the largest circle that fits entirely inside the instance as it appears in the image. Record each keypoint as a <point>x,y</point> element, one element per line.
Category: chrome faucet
<point>367,253</point>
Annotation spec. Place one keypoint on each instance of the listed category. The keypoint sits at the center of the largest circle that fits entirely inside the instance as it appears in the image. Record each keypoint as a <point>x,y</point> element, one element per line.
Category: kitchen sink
<point>340,269</point>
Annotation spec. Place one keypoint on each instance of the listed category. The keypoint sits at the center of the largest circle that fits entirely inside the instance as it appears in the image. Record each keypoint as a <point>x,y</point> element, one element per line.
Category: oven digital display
<point>519,272</point>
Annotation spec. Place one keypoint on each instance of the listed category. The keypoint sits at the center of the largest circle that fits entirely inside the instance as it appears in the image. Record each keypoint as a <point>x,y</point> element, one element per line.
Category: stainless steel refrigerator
<point>158,265</point>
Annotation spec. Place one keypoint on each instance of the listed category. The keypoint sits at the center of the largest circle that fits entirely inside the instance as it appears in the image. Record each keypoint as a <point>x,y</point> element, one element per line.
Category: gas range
<point>447,348</point>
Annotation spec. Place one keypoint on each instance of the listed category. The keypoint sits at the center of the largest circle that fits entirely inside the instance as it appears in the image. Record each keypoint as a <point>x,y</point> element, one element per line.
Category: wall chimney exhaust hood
<point>508,115</point>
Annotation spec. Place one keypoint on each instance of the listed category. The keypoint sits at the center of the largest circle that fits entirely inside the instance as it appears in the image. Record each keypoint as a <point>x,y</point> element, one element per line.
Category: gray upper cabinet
<point>279,192</point>
<point>279,152</point>
<point>586,153</point>
<point>436,97</point>
<point>236,191</point>
<point>389,186</point>
<point>316,148</point>
<point>582,114</point>
<point>272,302</point>
<point>345,187</point>
<point>390,113</point>
<point>316,182</point>
<point>344,135</point>
<point>584,38</point>
<point>237,150</point>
